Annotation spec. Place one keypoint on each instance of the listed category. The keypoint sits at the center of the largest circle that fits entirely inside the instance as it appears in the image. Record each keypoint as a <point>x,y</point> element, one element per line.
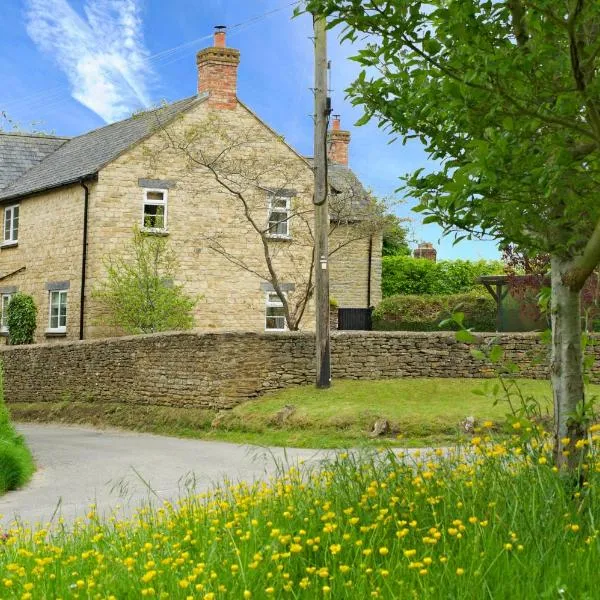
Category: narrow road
<point>119,471</point>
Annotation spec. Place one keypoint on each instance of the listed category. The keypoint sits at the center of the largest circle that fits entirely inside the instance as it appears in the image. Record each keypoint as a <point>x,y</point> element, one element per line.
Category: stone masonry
<point>220,370</point>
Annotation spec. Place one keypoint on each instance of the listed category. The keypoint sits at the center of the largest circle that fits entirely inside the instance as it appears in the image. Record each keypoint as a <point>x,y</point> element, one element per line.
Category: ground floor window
<point>58,311</point>
<point>274,315</point>
<point>4,300</point>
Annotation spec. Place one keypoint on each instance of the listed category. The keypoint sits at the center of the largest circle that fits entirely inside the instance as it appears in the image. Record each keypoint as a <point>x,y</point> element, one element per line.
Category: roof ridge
<point>137,115</point>
<point>35,135</point>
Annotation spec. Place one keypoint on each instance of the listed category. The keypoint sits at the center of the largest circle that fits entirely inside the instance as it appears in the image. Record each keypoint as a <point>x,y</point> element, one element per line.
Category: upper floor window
<point>155,210</point>
<point>11,224</point>
<point>274,314</point>
<point>279,216</point>
<point>4,300</point>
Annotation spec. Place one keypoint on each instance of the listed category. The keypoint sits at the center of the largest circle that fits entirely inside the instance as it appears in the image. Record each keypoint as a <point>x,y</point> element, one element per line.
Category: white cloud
<point>103,54</point>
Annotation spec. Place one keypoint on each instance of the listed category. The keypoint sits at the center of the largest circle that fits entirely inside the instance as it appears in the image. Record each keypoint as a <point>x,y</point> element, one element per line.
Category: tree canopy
<point>505,96</point>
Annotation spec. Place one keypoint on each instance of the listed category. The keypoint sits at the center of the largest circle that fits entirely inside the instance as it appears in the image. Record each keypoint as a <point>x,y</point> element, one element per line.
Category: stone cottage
<point>204,171</point>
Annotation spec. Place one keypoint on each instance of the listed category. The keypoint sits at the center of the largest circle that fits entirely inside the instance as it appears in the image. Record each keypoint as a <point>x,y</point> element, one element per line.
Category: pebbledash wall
<point>220,370</point>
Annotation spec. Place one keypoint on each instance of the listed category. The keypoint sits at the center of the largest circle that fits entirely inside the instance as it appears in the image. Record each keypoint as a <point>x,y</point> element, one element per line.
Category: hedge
<point>424,313</point>
<point>407,275</point>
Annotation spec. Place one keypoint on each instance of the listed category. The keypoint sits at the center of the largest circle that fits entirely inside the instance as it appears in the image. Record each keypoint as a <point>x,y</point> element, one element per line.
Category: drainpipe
<point>86,198</point>
<point>369,271</point>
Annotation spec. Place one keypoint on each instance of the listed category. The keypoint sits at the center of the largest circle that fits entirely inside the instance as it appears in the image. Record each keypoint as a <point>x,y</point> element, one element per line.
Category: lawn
<point>420,412</point>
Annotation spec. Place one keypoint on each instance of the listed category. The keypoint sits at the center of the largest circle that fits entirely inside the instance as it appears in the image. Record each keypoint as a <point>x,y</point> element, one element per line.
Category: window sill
<point>152,231</point>
<point>279,238</point>
<point>53,333</point>
<point>9,244</point>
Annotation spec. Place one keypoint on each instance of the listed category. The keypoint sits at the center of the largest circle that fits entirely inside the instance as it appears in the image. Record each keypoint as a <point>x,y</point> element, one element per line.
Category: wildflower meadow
<point>491,519</point>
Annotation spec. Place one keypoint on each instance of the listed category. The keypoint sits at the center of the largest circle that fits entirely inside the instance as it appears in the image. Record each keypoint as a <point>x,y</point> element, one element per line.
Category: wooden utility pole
<point>323,354</point>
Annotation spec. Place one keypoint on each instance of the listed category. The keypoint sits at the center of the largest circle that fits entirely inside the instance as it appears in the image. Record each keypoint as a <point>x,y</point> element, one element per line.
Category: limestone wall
<point>49,251</point>
<point>223,369</point>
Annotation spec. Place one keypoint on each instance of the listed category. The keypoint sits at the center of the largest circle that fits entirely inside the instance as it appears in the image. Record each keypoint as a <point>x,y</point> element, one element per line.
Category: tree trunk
<point>567,367</point>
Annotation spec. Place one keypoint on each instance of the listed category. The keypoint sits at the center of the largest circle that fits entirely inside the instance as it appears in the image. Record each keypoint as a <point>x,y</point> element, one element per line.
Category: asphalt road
<point>119,471</point>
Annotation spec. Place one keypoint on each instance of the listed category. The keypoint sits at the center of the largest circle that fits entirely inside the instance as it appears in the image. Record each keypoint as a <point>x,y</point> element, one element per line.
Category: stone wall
<point>221,370</point>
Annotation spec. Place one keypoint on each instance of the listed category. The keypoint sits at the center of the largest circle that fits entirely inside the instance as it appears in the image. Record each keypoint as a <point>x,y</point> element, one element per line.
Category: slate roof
<point>21,151</point>
<point>345,182</point>
<point>85,155</point>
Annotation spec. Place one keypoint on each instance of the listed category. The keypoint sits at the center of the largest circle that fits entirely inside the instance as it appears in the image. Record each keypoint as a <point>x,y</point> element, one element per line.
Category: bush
<point>406,275</point>
<point>424,313</point>
<point>21,319</point>
<point>16,464</point>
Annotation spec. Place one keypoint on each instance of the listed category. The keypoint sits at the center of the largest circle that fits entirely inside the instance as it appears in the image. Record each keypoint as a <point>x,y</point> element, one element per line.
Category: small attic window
<point>154,216</point>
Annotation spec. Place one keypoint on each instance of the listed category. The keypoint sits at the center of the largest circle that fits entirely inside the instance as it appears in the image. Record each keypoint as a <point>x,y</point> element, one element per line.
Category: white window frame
<point>4,300</point>
<point>287,210</point>
<point>274,303</point>
<point>11,239</point>
<point>164,202</point>
<point>61,294</point>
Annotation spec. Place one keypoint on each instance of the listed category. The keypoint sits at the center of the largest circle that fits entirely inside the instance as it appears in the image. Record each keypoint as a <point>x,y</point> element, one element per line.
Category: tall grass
<point>494,520</point>
<point>16,464</point>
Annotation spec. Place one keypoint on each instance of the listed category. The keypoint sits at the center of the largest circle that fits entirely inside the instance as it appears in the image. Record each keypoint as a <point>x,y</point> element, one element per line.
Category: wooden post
<point>323,351</point>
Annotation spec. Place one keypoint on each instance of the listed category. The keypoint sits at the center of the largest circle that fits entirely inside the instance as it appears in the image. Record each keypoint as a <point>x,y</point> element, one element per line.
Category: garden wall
<point>223,369</point>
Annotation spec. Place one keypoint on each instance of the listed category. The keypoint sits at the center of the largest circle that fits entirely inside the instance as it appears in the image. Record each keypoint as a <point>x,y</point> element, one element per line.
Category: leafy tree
<point>139,292</point>
<point>506,97</point>
<point>21,319</point>
<point>394,237</point>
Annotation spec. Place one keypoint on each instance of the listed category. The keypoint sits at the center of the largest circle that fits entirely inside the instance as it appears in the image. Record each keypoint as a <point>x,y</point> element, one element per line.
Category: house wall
<point>50,249</point>
<point>349,275</point>
<point>199,209</point>
<point>51,231</point>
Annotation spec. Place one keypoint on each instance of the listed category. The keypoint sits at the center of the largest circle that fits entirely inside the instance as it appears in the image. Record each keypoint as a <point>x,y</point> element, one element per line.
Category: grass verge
<point>16,463</point>
<point>491,521</point>
<point>420,412</point>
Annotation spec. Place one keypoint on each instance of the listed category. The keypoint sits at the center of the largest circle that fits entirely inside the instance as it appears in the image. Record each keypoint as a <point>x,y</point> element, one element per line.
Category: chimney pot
<point>220,32</point>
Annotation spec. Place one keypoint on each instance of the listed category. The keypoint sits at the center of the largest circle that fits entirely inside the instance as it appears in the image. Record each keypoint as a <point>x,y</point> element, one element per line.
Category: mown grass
<point>421,412</point>
<point>16,463</point>
<point>494,520</point>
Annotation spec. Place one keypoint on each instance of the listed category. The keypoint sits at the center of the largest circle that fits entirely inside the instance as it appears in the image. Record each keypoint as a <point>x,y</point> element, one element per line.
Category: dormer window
<point>279,216</point>
<point>11,225</point>
<point>155,210</point>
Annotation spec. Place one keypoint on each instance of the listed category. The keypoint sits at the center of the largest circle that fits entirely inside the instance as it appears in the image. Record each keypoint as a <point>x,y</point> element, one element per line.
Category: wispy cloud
<point>103,53</point>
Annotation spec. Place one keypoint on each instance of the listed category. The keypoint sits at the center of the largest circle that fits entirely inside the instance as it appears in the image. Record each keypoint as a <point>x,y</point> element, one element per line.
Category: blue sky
<point>68,66</point>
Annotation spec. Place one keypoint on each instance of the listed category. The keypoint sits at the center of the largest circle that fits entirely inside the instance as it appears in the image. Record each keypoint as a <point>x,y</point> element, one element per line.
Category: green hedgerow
<point>425,313</point>
<point>416,276</point>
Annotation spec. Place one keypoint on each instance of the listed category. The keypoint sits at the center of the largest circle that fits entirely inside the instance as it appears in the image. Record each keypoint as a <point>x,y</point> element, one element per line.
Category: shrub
<point>139,293</point>
<point>21,319</point>
<point>406,275</point>
<point>16,464</point>
<point>424,313</point>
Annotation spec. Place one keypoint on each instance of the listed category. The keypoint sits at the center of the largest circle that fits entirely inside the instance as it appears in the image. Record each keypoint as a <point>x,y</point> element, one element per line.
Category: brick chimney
<point>425,250</point>
<point>217,72</point>
<point>338,143</point>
